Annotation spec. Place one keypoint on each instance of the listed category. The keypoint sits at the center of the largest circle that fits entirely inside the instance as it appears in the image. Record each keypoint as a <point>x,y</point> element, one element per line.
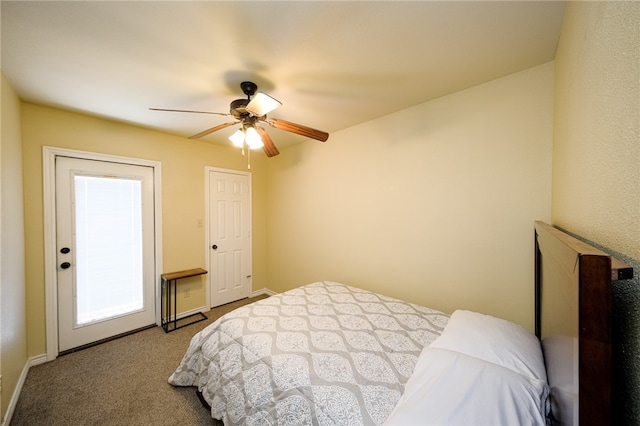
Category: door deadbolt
<point>65,250</point>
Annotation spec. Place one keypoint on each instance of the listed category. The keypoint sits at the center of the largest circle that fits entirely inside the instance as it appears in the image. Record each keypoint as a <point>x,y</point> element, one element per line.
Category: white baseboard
<point>189,312</point>
<point>263,291</point>
<point>33,361</point>
<point>37,360</point>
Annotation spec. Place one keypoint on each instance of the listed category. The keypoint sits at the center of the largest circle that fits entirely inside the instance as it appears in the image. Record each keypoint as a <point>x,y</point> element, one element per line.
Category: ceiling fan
<point>249,112</point>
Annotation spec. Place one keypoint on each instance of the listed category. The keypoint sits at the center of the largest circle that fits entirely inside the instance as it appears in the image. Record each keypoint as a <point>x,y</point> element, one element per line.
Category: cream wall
<point>596,162</point>
<point>434,204</point>
<point>13,332</point>
<point>183,163</point>
<point>596,185</point>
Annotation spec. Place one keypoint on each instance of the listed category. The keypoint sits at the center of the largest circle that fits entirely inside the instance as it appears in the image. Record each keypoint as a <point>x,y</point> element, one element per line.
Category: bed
<point>331,354</point>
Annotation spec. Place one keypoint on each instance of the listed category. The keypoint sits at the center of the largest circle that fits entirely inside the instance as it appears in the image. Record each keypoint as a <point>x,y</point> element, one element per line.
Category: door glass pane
<point>108,221</point>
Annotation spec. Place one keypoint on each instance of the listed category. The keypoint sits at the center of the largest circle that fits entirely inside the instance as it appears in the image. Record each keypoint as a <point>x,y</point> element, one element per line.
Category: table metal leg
<point>166,306</point>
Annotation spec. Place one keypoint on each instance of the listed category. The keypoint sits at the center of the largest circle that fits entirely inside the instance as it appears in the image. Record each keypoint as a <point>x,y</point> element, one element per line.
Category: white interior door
<point>105,249</point>
<point>229,225</point>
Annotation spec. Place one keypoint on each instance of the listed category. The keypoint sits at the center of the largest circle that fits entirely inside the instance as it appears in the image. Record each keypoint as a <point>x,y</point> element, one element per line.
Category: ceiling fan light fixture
<point>262,104</point>
<point>253,139</point>
<point>237,138</point>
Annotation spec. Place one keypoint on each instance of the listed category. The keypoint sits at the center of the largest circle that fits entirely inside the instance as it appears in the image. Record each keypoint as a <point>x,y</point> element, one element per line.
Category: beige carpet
<point>121,382</point>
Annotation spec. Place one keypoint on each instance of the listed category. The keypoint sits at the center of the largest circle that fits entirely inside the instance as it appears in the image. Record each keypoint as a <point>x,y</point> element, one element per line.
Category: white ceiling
<point>332,64</point>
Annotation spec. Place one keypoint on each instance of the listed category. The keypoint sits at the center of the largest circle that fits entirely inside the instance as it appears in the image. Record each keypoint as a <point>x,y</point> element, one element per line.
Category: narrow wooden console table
<point>167,311</point>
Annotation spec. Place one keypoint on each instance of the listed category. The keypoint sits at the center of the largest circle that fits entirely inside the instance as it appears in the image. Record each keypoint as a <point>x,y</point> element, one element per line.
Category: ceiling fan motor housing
<point>238,108</point>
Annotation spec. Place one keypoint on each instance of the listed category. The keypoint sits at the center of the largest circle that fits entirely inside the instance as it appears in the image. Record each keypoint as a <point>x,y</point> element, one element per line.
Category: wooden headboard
<point>573,322</point>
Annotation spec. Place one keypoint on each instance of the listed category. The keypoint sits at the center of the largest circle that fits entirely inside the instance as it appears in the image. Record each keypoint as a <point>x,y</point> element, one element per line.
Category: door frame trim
<point>49,154</point>
<point>207,241</point>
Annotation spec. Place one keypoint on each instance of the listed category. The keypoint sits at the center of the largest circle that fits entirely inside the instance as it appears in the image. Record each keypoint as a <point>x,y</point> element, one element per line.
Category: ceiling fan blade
<point>185,110</point>
<point>211,130</point>
<point>269,147</point>
<point>298,129</point>
<point>262,104</point>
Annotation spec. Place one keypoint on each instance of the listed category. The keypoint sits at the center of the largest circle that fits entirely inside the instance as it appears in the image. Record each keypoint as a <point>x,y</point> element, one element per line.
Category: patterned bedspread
<point>321,354</point>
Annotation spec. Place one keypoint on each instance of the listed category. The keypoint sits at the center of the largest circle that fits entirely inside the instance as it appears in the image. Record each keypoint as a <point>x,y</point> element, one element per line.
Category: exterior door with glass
<point>105,250</point>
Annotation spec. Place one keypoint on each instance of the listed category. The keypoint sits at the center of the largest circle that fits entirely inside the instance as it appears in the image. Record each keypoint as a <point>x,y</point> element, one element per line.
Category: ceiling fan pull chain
<point>248,159</point>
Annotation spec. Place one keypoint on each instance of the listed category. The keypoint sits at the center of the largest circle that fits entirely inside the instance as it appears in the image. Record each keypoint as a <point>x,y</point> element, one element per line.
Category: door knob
<point>65,265</point>
<point>215,247</point>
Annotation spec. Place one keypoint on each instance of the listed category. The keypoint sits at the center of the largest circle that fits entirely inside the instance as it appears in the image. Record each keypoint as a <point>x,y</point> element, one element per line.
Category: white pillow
<point>494,340</point>
<point>452,388</point>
